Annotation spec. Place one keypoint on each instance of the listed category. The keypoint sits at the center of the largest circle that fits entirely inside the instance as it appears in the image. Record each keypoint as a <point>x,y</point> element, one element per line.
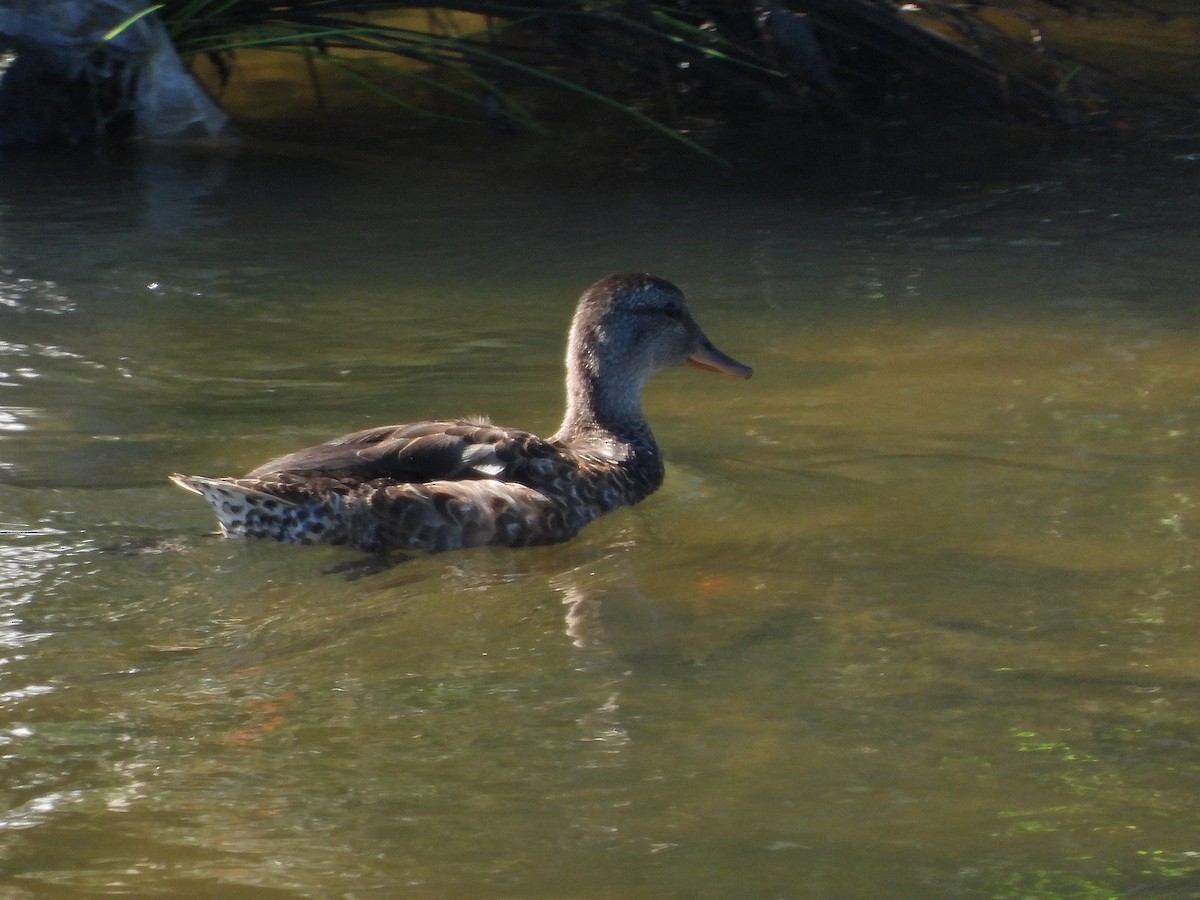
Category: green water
<point>915,614</point>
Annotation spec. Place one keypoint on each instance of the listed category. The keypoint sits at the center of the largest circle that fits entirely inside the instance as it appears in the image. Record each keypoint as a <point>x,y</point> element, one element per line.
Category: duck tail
<point>243,510</point>
<point>190,483</point>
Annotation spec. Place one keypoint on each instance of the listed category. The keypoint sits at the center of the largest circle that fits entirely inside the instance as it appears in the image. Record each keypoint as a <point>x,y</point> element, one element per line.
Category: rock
<point>70,78</point>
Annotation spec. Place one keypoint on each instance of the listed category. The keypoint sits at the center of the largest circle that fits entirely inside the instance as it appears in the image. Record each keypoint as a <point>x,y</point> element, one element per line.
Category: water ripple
<point>32,295</point>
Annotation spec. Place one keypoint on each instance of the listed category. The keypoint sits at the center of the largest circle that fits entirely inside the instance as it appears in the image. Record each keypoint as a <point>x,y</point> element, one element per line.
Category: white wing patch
<point>482,459</point>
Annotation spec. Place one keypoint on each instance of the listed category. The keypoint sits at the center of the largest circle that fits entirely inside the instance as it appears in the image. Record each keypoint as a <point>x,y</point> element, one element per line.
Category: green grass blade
<point>115,32</point>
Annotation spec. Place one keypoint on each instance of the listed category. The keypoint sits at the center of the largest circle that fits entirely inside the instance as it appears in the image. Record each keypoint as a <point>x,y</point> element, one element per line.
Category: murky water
<point>914,615</point>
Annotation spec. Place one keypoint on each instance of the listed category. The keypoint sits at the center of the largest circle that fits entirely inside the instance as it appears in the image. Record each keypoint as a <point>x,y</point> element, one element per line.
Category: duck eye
<point>671,312</point>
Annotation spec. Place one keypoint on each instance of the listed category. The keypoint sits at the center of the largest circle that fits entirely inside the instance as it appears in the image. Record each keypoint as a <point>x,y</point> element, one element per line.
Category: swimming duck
<point>456,483</point>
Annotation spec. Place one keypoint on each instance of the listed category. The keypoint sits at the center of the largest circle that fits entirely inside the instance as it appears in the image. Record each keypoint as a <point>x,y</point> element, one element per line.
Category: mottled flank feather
<point>456,483</point>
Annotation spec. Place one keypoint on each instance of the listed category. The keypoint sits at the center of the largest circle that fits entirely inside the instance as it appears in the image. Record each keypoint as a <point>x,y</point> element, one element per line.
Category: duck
<point>448,484</point>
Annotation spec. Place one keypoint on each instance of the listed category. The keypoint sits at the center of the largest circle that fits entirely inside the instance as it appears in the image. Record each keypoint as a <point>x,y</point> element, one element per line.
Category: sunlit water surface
<point>914,615</point>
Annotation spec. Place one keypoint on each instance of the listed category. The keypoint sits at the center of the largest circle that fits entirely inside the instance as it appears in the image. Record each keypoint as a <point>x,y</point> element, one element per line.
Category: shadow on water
<point>911,616</point>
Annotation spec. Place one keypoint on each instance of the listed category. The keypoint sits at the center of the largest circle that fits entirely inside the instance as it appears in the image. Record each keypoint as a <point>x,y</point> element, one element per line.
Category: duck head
<point>627,328</point>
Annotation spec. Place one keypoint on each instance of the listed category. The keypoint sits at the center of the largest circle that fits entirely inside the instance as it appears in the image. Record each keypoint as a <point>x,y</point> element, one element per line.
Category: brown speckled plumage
<point>462,482</point>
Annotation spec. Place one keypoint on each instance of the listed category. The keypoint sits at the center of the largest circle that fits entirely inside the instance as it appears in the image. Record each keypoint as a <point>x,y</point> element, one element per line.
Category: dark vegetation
<point>829,66</point>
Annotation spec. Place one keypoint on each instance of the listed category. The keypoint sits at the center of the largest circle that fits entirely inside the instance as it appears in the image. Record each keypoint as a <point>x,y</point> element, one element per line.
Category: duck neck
<point>606,408</point>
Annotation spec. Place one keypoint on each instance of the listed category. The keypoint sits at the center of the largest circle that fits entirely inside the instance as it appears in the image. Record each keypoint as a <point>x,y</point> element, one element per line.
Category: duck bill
<point>710,359</point>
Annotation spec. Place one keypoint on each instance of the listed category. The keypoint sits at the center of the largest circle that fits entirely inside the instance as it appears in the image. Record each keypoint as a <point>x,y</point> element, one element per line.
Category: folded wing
<point>451,450</point>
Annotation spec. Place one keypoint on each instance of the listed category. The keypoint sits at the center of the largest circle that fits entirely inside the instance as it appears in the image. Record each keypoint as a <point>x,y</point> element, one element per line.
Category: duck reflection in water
<point>448,484</point>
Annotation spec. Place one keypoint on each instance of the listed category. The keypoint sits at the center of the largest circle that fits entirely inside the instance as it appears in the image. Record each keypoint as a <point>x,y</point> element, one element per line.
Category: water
<point>914,614</point>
